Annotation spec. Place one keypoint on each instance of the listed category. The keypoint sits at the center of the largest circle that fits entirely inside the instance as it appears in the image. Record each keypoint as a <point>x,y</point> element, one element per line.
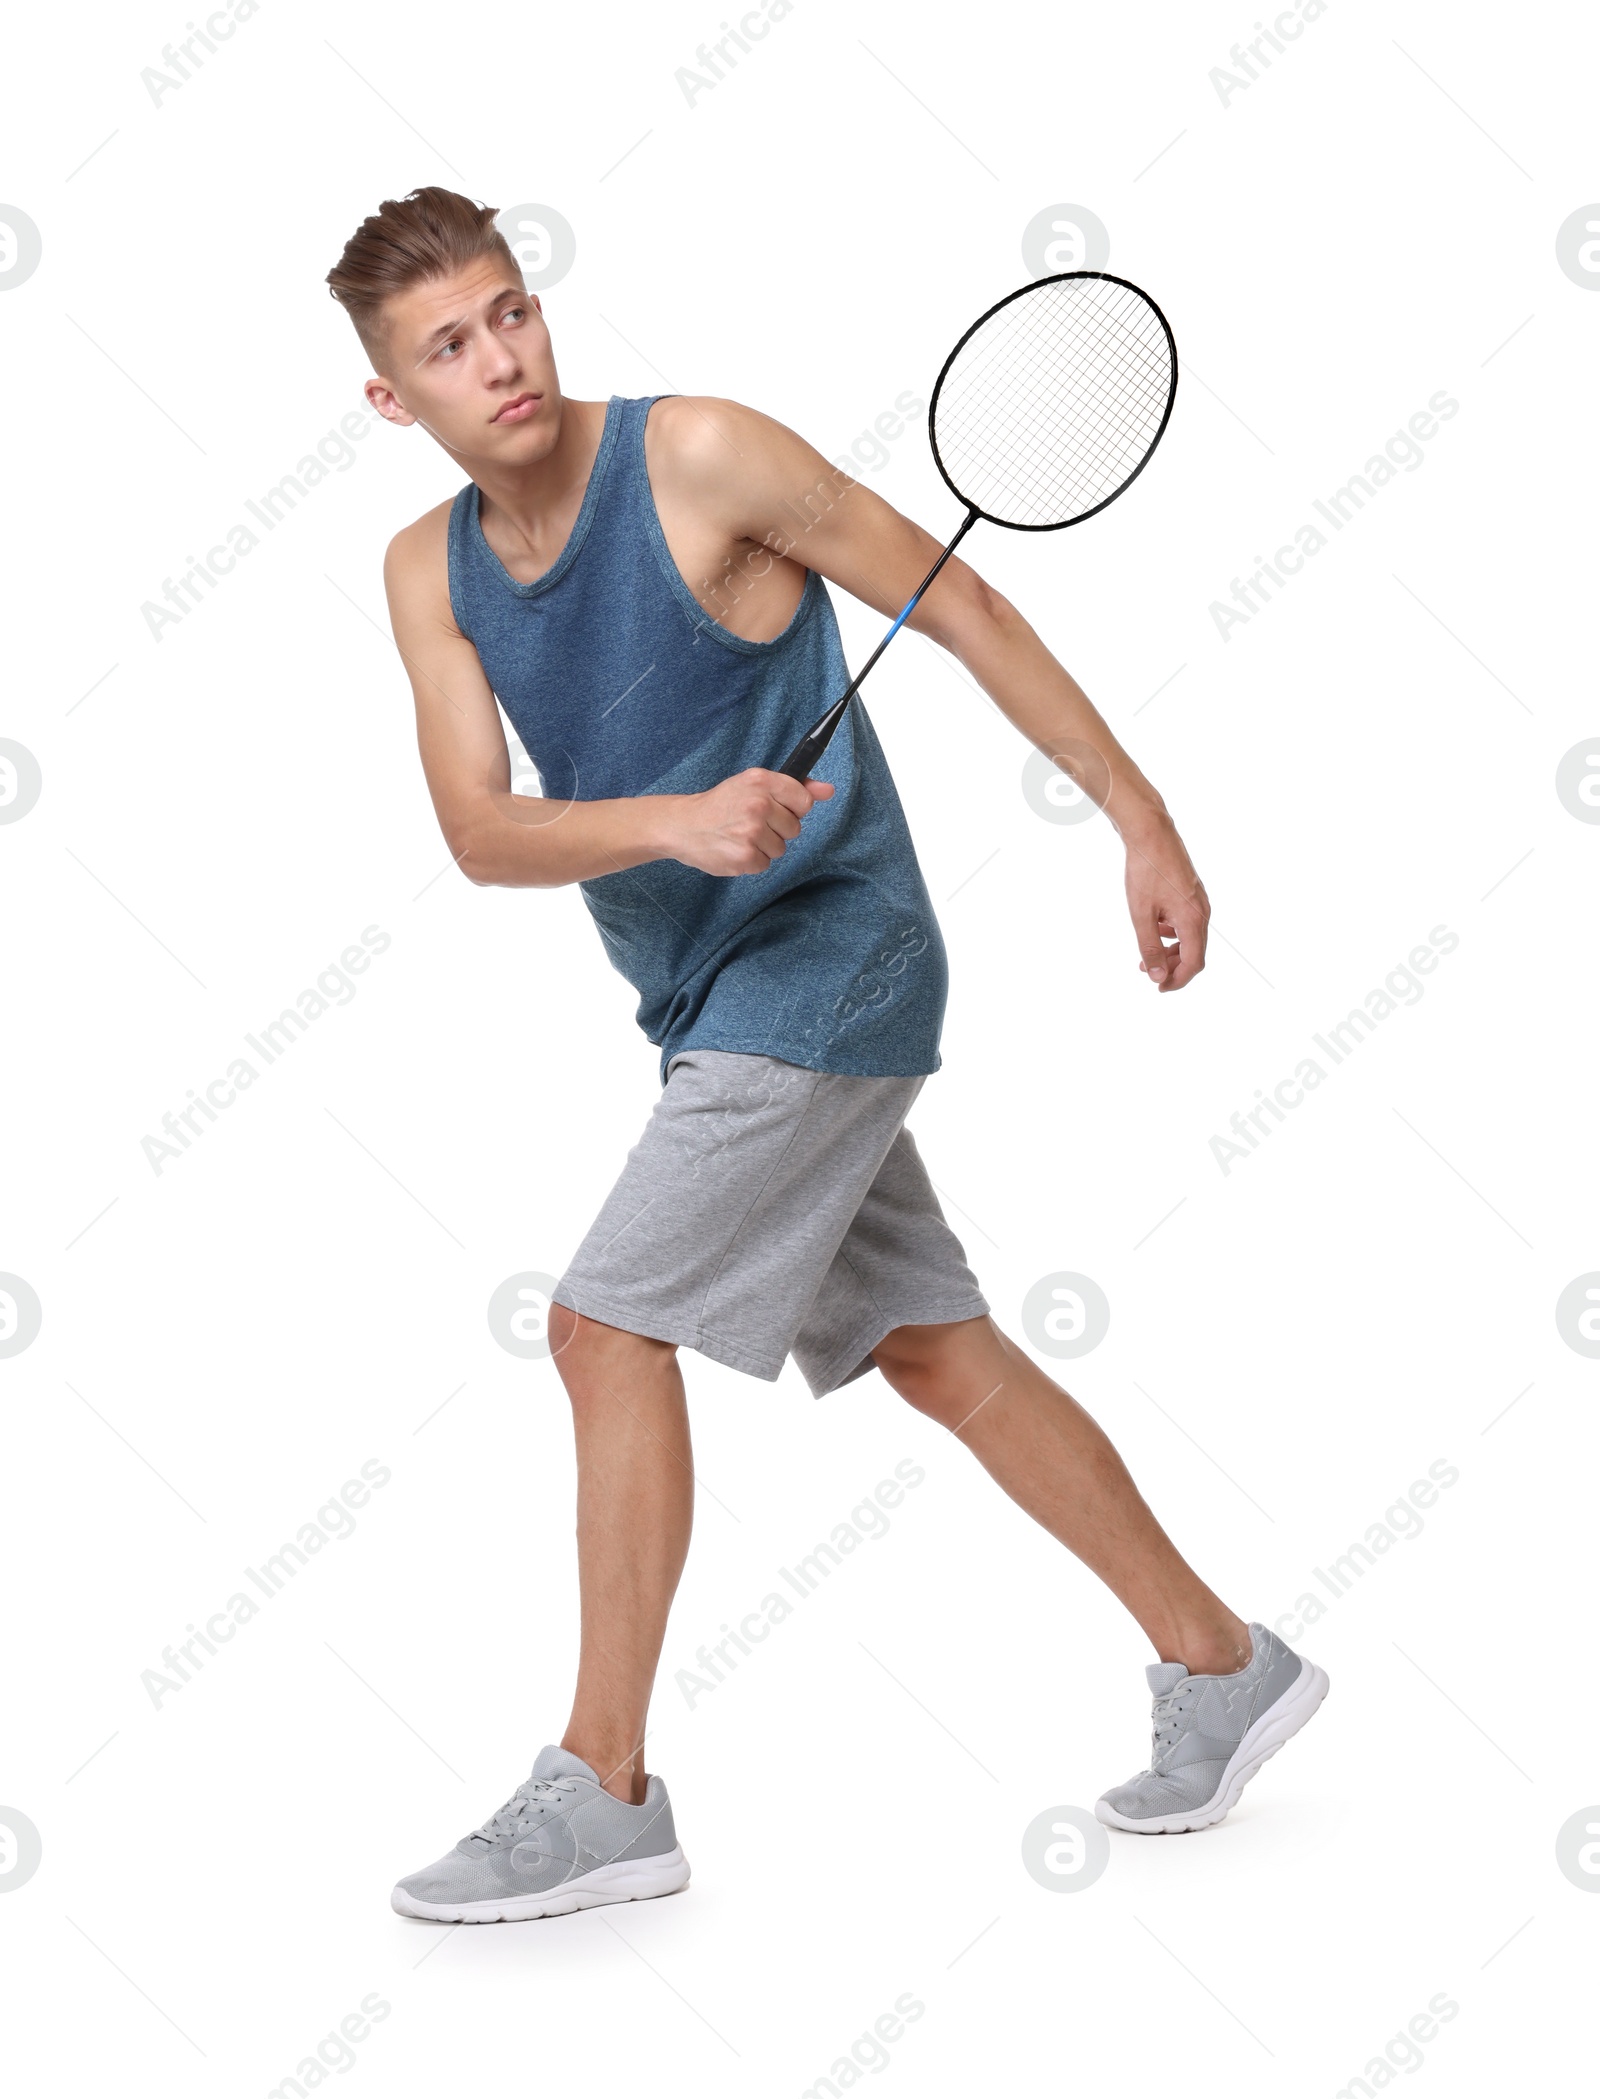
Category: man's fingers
<point>1154,958</point>
<point>1188,958</point>
<point>797,796</point>
<point>1173,948</point>
<point>1150,921</point>
<point>759,813</point>
<point>1170,912</point>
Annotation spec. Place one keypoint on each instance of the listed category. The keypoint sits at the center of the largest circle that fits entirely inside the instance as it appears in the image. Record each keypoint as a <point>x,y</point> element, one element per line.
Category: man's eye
<point>446,348</point>
<point>515,313</point>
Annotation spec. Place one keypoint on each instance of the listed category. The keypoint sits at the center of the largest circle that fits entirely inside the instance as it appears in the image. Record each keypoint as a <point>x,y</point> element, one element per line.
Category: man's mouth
<point>518,408</point>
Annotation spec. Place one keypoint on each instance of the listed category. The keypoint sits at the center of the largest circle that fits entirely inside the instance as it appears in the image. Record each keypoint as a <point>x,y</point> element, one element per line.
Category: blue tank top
<point>620,683</point>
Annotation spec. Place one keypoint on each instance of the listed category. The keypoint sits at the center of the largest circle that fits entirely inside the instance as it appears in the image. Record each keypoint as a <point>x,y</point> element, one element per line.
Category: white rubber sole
<point>1276,1726</point>
<point>630,1880</point>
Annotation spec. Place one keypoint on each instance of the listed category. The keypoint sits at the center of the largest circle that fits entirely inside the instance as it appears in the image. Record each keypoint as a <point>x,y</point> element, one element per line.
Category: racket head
<point>1053,401</point>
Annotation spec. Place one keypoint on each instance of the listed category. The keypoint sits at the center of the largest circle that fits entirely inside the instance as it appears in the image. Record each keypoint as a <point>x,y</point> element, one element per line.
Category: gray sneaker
<point>560,1843</point>
<point>1210,1734</point>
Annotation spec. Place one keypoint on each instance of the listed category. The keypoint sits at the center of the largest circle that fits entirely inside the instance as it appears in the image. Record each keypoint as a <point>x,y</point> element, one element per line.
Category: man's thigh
<point>898,1266</point>
<point>733,1204</point>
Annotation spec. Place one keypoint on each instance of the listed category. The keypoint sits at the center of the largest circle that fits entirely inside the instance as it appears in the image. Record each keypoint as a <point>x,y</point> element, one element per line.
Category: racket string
<point>972,405</point>
<point>1051,406</point>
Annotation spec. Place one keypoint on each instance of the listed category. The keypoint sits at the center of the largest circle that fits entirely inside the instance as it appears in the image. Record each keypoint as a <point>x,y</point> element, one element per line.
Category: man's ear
<point>383,400</point>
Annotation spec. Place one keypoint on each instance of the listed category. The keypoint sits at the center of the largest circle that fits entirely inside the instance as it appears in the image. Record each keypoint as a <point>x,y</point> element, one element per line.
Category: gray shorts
<point>770,1210</point>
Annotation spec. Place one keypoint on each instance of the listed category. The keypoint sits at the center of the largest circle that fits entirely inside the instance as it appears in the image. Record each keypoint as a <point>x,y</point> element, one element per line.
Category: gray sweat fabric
<point>768,1210</point>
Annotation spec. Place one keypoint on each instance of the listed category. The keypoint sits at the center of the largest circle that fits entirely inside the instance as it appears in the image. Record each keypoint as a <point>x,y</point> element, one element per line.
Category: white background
<point>1291,1344</point>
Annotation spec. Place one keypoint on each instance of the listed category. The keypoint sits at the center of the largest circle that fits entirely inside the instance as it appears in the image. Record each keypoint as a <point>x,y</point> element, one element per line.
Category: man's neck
<point>529,511</point>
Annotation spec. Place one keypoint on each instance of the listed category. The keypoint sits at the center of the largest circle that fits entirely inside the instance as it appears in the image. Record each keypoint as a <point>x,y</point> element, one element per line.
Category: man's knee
<point>926,1365</point>
<point>562,1329</point>
<point>589,1354</point>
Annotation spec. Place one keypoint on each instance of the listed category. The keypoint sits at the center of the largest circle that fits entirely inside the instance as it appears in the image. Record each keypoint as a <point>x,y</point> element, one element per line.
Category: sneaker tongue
<point>562,1763</point>
<point>1162,1677</point>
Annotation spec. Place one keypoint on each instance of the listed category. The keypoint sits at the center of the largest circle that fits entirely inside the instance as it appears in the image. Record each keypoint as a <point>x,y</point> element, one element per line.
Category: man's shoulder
<point>420,549</point>
<point>708,436</point>
<point>416,570</point>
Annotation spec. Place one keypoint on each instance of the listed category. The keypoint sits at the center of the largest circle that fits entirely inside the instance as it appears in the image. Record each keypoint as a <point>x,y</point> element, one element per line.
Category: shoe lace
<point>531,1798</point>
<point>1165,1717</point>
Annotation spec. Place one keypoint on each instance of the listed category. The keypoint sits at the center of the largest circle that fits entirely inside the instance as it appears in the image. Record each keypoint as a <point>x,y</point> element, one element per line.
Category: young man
<point>641,583</point>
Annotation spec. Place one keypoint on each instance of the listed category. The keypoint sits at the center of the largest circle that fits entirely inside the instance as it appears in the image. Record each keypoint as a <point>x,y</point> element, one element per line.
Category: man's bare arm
<point>778,494</point>
<point>525,841</point>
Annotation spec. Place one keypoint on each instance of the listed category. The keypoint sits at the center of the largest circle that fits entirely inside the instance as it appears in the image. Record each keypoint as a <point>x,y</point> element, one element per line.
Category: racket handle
<point>802,760</point>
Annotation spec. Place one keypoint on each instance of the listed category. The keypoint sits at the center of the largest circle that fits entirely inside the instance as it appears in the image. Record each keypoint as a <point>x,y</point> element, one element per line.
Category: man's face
<point>469,358</point>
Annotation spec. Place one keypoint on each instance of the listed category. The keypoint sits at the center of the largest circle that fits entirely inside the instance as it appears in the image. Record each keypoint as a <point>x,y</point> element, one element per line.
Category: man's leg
<point>635,1508</point>
<point>1055,1462</point>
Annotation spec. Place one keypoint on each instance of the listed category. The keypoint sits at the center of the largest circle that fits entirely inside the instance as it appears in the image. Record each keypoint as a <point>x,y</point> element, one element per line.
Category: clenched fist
<point>740,826</point>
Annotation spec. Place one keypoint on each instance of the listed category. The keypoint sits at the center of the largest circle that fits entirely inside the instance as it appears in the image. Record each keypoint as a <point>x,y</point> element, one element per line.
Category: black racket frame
<point>811,746</point>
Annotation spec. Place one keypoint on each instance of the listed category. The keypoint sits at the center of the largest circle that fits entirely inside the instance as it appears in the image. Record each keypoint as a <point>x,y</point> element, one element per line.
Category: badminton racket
<point>1045,411</point>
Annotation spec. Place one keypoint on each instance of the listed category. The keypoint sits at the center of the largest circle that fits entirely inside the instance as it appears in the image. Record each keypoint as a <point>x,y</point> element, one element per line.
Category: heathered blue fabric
<point>620,684</point>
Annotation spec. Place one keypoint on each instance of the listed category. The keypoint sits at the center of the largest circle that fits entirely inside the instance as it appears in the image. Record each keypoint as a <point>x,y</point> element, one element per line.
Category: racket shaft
<point>811,746</point>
